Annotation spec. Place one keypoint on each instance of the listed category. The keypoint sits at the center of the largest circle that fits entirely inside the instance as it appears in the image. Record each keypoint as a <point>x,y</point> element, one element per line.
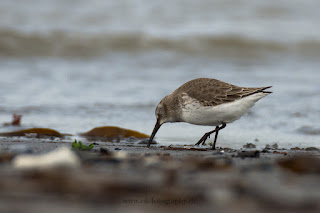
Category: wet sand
<point>131,177</point>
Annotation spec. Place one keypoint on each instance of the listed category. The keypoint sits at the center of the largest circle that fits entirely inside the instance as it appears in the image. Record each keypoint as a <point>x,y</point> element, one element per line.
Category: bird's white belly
<point>195,113</point>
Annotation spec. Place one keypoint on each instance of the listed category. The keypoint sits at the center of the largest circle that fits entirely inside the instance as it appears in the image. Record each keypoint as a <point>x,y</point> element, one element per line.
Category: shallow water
<point>74,67</point>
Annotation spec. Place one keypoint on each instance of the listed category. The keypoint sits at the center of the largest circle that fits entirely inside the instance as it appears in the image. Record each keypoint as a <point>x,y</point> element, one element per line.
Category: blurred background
<point>74,65</point>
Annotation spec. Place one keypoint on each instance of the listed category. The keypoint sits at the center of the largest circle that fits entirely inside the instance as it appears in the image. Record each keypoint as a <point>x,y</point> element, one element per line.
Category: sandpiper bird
<point>208,102</point>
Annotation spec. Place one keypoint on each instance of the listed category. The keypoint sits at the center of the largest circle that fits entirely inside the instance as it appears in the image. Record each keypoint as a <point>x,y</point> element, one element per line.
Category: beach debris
<point>301,164</point>
<point>78,145</point>
<point>38,132</point>
<point>312,149</point>
<point>227,149</point>
<point>249,154</point>
<point>267,147</point>
<point>131,139</point>
<point>309,130</point>
<point>182,148</point>
<point>16,120</point>
<point>296,148</point>
<point>249,146</point>
<point>112,133</point>
<point>196,149</point>
<point>277,152</point>
<point>306,149</point>
<point>273,146</point>
<point>61,157</point>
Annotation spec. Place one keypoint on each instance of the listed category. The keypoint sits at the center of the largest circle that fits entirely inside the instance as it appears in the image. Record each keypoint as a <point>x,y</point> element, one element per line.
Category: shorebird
<point>207,102</point>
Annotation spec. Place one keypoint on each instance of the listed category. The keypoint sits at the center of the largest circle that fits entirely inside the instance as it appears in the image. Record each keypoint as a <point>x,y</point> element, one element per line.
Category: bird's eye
<point>158,112</point>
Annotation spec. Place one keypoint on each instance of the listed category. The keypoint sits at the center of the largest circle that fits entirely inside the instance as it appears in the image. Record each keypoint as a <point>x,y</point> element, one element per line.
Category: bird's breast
<point>192,111</point>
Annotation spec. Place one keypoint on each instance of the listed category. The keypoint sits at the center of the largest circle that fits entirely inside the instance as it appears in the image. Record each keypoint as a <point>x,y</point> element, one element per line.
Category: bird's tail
<point>264,88</point>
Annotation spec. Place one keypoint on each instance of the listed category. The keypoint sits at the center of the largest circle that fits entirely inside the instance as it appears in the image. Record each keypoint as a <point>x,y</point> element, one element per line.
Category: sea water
<point>75,65</point>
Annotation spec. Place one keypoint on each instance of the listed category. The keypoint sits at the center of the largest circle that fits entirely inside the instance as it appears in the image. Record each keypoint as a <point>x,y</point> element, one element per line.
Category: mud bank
<point>124,177</point>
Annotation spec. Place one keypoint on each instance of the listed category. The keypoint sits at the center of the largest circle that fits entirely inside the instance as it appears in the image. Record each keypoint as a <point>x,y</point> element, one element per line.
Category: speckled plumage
<point>212,92</point>
<point>206,101</point>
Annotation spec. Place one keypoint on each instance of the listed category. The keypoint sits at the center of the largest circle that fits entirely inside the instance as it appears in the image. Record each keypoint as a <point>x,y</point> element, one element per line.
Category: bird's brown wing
<point>212,92</point>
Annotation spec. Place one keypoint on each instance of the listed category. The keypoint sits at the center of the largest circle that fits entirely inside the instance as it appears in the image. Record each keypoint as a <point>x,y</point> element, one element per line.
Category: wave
<point>71,44</point>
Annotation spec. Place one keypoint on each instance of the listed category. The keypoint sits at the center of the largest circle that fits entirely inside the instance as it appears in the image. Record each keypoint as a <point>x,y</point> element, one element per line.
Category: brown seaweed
<point>39,132</point>
<point>112,132</point>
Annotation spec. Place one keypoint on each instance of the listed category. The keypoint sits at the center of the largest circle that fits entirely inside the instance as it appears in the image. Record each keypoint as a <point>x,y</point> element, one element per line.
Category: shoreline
<point>125,177</point>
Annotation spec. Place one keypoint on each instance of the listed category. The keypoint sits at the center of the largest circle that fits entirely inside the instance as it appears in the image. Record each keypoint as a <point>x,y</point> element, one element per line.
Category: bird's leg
<point>216,136</point>
<point>207,135</point>
<point>204,137</point>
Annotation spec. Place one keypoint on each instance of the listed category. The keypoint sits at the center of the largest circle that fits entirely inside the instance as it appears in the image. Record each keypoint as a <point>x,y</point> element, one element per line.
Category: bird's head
<point>164,113</point>
<point>161,113</point>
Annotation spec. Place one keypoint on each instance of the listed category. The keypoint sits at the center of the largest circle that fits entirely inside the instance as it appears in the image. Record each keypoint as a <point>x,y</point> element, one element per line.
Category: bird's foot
<point>204,138</point>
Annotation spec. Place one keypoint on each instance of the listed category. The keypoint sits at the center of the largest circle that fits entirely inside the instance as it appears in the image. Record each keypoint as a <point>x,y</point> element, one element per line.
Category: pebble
<point>61,157</point>
<point>312,149</point>
<point>249,146</point>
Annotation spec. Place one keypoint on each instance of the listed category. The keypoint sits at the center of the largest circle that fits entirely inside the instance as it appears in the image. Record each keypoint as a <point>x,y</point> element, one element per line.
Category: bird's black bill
<point>154,132</point>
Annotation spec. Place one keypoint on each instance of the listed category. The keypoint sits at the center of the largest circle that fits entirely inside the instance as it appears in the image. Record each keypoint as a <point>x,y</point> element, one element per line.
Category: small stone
<point>117,149</point>
<point>249,146</point>
<point>131,139</point>
<point>226,149</point>
<point>283,153</point>
<point>267,147</point>
<point>312,149</point>
<point>273,146</point>
<point>295,148</point>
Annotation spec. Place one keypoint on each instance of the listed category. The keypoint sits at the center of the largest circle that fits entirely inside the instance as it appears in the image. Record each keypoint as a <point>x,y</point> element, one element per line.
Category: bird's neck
<point>174,108</point>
